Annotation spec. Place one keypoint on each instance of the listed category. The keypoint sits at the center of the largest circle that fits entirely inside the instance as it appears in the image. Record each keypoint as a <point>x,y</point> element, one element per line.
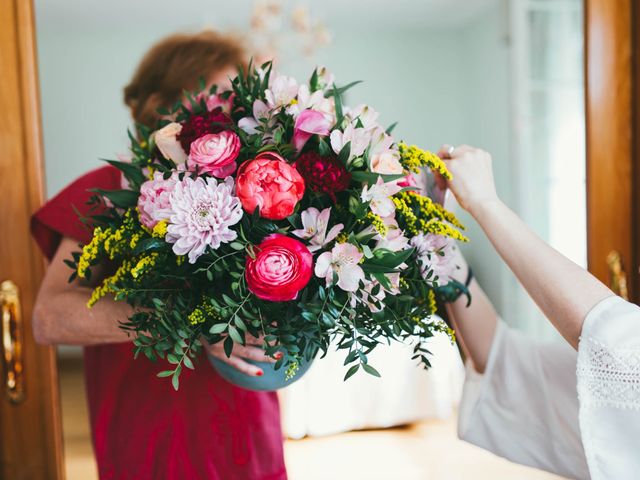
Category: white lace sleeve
<point>608,376</point>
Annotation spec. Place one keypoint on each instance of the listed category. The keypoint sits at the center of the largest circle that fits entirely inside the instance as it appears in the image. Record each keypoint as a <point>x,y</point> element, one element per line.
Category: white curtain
<point>547,63</point>
<point>321,403</point>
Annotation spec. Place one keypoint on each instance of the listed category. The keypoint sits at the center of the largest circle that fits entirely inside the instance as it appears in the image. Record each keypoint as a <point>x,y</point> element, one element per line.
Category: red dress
<point>142,429</point>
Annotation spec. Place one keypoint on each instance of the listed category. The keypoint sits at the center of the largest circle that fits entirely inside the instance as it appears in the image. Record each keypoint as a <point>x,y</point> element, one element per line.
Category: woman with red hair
<point>142,429</point>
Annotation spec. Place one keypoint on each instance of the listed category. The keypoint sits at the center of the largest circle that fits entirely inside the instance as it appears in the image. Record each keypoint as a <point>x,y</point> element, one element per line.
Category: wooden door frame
<point>612,71</point>
<point>31,430</point>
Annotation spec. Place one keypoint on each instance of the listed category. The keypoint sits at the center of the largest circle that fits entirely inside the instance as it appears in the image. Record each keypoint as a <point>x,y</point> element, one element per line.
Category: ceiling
<point>234,14</point>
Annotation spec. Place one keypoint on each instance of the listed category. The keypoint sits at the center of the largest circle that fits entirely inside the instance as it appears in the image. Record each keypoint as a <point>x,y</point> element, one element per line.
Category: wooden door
<point>30,428</point>
<point>612,30</point>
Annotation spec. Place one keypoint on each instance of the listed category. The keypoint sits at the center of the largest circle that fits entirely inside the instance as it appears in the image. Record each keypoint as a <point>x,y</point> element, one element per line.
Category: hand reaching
<point>472,182</point>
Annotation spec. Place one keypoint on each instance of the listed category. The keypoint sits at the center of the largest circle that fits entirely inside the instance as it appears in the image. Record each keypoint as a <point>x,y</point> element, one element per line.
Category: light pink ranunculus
<point>168,144</point>
<point>309,123</point>
<point>154,202</point>
<point>215,153</point>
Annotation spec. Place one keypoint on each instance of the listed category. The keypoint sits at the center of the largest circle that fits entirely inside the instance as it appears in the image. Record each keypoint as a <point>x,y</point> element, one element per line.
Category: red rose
<point>199,125</point>
<point>323,174</point>
<point>281,268</point>
<point>270,183</point>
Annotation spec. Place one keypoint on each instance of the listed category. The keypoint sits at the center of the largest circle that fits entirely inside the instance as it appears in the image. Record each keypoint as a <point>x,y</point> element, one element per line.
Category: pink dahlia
<point>154,200</point>
<point>203,213</point>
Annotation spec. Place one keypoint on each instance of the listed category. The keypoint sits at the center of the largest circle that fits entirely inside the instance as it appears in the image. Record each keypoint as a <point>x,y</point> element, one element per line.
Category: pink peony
<point>154,201</point>
<point>215,153</point>
<point>309,123</point>
<point>281,267</point>
<point>270,183</point>
<point>203,212</point>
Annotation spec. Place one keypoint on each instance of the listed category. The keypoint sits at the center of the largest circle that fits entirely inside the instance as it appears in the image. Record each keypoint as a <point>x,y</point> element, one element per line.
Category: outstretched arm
<point>564,291</point>
<point>61,314</point>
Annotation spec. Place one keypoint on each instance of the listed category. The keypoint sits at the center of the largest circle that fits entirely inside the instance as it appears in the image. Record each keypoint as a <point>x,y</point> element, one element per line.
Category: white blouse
<point>576,414</point>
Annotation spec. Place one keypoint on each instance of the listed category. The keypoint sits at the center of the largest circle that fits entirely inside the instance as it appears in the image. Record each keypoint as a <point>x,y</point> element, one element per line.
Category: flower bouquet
<point>272,210</point>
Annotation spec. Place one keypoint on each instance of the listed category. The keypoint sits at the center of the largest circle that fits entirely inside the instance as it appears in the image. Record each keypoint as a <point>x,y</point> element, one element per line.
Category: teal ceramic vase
<point>271,380</point>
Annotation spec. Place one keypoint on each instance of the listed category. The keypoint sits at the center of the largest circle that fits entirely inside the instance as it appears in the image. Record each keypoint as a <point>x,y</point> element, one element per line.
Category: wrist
<point>483,207</point>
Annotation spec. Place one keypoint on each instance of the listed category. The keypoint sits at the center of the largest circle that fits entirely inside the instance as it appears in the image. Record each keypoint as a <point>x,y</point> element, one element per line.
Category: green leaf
<point>338,104</point>
<point>130,171</point>
<point>370,370</point>
<point>371,178</point>
<point>351,372</point>
<point>343,156</point>
<point>175,381</point>
<point>172,359</point>
<point>147,244</point>
<point>387,258</point>
<point>120,198</point>
<point>186,361</point>
<point>236,246</point>
<point>218,328</point>
<point>341,90</point>
<point>373,268</point>
<point>235,335</point>
<point>165,373</point>
<point>391,127</point>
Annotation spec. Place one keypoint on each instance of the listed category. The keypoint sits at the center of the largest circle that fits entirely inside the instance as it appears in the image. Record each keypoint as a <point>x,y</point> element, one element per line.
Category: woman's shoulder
<point>59,216</point>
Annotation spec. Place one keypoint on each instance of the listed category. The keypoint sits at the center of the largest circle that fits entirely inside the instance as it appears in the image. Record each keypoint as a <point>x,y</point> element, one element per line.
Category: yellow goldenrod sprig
<point>109,284</point>
<point>412,158</point>
<point>92,249</point>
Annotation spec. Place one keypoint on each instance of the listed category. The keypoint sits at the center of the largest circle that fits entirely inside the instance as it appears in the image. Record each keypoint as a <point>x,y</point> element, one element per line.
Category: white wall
<point>448,85</point>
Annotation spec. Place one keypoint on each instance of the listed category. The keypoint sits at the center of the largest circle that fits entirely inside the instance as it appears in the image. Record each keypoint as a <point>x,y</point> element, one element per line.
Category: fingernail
<point>259,373</point>
<point>278,355</point>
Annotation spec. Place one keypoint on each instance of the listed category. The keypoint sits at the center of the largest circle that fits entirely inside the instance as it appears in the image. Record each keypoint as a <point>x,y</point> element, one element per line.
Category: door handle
<point>12,341</point>
<point>617,276</point>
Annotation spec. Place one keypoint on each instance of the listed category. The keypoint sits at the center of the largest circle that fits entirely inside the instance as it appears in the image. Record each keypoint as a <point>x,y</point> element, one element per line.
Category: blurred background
<point>503,75</point>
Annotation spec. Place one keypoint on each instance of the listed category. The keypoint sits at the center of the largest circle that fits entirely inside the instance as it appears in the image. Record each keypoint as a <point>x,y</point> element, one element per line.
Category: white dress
<point>576,414</point>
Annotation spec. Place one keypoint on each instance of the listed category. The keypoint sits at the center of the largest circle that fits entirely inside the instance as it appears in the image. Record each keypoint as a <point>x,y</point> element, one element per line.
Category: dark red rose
<point>323,174</point>
<point>199,125</point>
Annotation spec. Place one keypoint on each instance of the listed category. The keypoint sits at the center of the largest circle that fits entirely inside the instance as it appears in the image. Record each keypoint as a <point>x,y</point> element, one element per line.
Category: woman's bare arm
<point>475,324</point>
<point>564,291</point>
<point>61,314</point>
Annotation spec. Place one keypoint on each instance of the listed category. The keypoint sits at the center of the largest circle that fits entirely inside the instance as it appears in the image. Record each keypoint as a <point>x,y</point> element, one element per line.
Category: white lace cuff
<point>608,367</point>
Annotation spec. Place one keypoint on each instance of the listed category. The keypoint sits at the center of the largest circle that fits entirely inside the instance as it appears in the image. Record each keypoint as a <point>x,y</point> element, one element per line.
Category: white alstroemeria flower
<point>435,255</point>
<point>368,116</point>
<point>281,92</point>
<point>394,240</point>
<point>326,79</point>
<point>306,100</point>
<point>314,228</point>
<point>379,196</point>
<point>261,111</point>
<point>343,260</point>
<point>360,139</point>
